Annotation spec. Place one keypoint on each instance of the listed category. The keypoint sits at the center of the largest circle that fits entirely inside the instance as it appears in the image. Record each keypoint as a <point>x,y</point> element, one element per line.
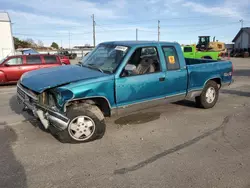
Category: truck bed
<point>190,61</point>
<point>202,70</point>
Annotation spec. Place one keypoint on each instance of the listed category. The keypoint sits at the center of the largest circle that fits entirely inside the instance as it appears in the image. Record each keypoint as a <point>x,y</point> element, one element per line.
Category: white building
<point>242,39</point>
<point>6,38</point>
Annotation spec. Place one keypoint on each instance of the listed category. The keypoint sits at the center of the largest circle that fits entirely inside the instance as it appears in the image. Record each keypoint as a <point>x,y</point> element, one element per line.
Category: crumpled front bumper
<point>46,115</point>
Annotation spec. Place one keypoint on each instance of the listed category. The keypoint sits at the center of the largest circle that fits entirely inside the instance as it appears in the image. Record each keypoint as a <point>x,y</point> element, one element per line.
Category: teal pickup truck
<point>191,52</point>
<point>117,77</point>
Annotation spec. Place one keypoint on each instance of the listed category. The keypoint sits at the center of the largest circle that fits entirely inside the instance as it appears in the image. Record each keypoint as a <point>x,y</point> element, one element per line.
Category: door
<point>32,62</point>
<point>51,61</point>
<point>176,75</point>
<point>189,52</point>
<point>13,68</point>
<point>141,86</point>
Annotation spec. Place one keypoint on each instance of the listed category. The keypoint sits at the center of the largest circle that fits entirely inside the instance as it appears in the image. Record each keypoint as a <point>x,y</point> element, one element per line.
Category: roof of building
<point>4,17</point>
<point>246,29</point>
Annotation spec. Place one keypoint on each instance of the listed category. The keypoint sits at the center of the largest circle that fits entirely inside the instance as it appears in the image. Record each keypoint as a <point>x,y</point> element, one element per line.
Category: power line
<point>194,25</point>
<point>214,27</point>
<point>204,29</point>
<point>116,30</point>
<point>98,25</point>
<point>175,18</point>
<point>155,32</point>
<point>138,21</point>
<point>119,30</point>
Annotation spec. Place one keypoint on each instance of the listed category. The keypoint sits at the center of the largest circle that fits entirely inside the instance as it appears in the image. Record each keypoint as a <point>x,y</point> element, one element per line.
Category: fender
<point>213,78</point>
<point>103,103</point>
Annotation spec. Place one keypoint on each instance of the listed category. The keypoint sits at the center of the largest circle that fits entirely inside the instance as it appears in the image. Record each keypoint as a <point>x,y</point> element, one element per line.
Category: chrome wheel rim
<point>210,95</point>
<point>81,128</point>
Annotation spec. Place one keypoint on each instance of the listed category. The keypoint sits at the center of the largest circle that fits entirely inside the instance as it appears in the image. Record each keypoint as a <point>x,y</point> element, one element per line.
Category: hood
<point>42,79</point>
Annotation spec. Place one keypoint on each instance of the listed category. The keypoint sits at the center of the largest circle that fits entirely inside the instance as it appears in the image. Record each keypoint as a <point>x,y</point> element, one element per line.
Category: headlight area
<point>55,98</point>
<point>49,108</point>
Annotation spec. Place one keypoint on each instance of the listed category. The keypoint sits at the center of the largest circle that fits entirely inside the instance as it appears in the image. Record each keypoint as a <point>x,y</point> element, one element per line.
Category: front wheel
<point>86,124</point>
<point>209,95</point>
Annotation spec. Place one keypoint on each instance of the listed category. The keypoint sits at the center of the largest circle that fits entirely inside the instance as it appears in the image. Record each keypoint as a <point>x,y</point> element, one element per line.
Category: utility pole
<point>61,43</point>
<point>241,45</point>
<point>93,19</point>
<point>69,40</point>
<point>242,23</point>
<point>158,30</point>
<point>136,34</point>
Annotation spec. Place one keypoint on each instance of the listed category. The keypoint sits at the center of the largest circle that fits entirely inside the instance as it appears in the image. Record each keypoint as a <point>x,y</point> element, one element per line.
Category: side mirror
<point>6,65</point>
<point>130,68</point>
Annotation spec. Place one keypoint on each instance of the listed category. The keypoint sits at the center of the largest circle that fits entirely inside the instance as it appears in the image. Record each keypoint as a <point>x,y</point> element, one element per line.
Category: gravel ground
<point>176,145</point>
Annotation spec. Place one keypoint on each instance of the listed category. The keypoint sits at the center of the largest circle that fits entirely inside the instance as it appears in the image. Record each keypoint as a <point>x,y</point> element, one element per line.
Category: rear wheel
<point>86,124</point>
<point>209,95</point>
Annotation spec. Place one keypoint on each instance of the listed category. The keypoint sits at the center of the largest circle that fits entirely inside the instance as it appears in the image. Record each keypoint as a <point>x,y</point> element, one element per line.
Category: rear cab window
<point>171,58</point>
<point>50,59</point>
<point>33,60</point>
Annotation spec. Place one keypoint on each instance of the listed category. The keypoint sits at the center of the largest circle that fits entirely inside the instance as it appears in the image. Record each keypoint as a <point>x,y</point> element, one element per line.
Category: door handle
<point>161,79</point>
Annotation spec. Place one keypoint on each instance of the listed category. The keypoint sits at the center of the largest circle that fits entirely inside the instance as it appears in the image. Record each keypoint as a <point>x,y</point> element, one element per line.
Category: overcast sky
<point>180,20</point>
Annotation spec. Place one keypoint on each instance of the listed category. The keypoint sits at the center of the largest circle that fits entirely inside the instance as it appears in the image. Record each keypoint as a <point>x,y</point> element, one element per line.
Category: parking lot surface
<point>176,145</point>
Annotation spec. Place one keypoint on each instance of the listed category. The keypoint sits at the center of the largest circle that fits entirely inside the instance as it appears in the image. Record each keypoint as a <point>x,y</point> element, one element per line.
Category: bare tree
<point>40,43</point>
<point>31,42</point>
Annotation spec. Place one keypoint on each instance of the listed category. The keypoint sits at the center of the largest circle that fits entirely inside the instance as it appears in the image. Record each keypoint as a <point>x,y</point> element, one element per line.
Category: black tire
<point>89,110</point>
<point>202,102</point>
<point>206,57</point>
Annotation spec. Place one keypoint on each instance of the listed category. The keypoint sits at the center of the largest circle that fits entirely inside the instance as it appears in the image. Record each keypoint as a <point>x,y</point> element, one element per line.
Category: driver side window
<point>15,61</point>
<point>144,60</point>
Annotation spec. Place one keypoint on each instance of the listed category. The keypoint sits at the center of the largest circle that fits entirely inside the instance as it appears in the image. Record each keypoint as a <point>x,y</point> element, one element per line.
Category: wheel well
<point>217,80</point>
<point>100,102</point>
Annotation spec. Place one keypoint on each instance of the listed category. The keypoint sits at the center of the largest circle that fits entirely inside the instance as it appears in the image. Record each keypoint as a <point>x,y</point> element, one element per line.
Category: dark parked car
<point>69,55</point>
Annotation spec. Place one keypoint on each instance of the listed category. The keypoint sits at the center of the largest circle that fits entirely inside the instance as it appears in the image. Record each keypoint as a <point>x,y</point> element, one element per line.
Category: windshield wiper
<point>92,67</point>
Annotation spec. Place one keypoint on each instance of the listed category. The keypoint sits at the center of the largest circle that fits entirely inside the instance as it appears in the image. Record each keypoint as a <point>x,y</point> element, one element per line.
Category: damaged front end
<point>48,106</point>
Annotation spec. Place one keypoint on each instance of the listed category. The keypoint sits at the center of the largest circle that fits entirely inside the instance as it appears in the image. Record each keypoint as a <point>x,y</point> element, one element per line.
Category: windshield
<point>106,57</point>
